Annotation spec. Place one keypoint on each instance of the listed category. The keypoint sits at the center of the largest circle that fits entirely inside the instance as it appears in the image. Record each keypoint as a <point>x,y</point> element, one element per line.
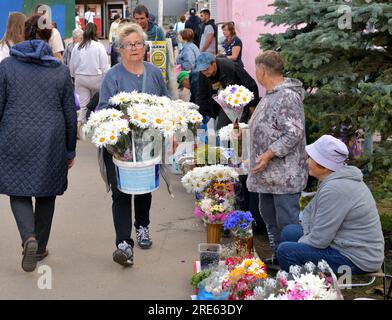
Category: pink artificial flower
<point>298,294</point>
<point>198,212</point>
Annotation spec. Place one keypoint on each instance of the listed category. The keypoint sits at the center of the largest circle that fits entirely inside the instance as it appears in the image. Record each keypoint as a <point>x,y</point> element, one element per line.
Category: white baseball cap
<point>329,152</point>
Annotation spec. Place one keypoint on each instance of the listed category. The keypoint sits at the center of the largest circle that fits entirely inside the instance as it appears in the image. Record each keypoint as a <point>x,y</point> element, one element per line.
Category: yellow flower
<point>248,263</point>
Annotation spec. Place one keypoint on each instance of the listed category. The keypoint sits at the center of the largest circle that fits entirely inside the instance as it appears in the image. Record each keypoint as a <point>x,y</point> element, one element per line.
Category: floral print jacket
<point>278,123</point>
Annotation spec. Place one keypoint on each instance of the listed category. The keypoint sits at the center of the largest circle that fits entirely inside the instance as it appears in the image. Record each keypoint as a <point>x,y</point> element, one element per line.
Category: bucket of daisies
<point>135,130</point>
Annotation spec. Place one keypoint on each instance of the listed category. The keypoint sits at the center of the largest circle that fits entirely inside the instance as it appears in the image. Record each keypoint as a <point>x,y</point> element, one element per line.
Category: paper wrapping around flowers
<point>233,114</point>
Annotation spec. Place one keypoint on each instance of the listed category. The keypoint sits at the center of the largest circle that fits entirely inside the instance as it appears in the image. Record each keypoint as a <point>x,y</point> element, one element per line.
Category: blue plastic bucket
<point>139,177</point>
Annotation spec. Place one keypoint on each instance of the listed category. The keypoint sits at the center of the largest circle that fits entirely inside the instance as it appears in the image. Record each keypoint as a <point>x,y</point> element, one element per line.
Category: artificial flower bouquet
<point>233,99</point>
<point>309,282</point>
<point>212,288</point>
<point>126,128</point>
<point>240,224</point>
<point>235,280</point>
<point>246,273</point>
<point>214,187</point>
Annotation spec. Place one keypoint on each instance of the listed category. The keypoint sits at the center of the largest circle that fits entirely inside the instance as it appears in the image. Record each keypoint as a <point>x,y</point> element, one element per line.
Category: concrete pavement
<point>82,242</point>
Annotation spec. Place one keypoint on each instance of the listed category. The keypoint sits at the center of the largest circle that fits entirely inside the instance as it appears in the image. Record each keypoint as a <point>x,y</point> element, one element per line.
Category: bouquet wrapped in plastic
<point>233,99</point>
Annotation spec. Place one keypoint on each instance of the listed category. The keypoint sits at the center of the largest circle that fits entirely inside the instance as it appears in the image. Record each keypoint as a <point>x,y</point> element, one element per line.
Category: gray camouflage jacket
<point>278,123</point>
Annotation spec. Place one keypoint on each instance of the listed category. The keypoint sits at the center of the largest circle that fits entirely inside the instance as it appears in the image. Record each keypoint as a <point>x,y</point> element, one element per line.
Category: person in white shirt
<point>78,24</point>
<point>14,33</point>
<point>89,16</point>
<point>56,44</point>
<point>88,65</point>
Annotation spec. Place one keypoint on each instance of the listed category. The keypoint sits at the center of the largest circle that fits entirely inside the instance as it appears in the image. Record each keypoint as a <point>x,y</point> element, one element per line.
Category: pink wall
<point>244,13</point>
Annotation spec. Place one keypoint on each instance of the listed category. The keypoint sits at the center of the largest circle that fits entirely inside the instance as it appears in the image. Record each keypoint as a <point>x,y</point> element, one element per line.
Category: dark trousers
<point>278,211</point>
<point>249,201</point>
<point>34,222</point>
<point>113,56</point>
<point>122,206</point>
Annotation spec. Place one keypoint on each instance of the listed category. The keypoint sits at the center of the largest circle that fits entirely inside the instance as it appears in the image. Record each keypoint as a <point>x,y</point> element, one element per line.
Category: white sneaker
<point>124,254</point>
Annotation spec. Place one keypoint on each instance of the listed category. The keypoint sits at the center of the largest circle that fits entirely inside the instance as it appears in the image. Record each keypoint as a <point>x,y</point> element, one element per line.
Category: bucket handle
<point>133,147</point>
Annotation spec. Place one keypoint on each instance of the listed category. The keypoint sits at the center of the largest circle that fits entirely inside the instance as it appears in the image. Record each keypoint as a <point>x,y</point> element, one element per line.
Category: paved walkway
<point>82,242</point>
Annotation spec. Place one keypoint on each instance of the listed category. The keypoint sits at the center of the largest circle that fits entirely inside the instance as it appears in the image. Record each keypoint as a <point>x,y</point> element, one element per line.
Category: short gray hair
<point>272,61</point>
<point>127,28</point>
<point>77,33</point>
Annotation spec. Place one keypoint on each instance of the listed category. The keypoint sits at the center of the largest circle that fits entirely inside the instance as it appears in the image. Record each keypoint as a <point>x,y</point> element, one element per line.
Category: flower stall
<point>246,278</point>
<point>214,188</point>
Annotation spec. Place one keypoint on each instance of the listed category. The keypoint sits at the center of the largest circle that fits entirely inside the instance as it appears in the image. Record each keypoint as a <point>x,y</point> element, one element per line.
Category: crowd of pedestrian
<point>42,80</point>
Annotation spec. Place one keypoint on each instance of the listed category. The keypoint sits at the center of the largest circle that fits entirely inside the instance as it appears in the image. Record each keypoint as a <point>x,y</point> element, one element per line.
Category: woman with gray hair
<point>77,36</point>
<point>132,74</point>
<point>278,159</point>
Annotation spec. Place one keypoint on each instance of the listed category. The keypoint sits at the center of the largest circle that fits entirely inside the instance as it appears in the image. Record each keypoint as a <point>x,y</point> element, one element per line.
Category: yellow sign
<point>157,53</point>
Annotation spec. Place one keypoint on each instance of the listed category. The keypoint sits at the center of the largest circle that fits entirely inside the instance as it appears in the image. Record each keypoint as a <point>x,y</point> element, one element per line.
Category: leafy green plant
<point>199,276</point>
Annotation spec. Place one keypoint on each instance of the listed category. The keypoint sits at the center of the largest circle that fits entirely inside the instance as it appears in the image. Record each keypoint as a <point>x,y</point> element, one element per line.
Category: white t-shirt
<point>55,41</point>
<point>77,23</point>
<point>89,61</point>
<point>4,51</point>
<point>89,16</point>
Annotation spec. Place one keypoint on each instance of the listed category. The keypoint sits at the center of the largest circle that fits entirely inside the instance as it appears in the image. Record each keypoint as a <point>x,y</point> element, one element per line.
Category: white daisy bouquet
<point>200,178</point>
<point>123,125</point>
<point>225,133</point>
<point>233,99</point>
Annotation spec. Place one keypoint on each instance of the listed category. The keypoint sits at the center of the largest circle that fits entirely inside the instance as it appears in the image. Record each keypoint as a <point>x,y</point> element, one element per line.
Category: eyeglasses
<point>130,45</point>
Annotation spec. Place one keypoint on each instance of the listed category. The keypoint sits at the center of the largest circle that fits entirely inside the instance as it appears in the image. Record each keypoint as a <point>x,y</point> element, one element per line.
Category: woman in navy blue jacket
<point>37,136</point>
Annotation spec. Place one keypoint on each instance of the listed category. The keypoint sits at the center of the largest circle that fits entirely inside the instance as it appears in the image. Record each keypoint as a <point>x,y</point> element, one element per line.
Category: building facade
<point>244,14</point>
<point>63,13</point>
<point>105,10</point>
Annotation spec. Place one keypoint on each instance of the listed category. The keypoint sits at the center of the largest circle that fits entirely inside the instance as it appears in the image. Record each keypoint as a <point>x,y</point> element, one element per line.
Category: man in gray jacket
<point>341,224</point>
<point>277,141</point>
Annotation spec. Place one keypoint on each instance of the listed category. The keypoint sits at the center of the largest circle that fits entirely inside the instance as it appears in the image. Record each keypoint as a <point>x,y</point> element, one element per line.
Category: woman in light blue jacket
<point>189,53</point>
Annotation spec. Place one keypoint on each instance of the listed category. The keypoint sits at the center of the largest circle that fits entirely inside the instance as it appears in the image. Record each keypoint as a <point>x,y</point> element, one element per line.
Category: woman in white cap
<point>341,224</point>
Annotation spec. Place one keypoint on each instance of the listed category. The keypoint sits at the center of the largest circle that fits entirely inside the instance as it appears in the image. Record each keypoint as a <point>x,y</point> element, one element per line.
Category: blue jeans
<point>278,211</point>
<point>290,252</point>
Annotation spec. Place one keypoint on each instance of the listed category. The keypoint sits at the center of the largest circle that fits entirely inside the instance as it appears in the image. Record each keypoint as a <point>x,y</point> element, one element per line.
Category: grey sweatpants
<point>278,211</point>
<point>86,87</point>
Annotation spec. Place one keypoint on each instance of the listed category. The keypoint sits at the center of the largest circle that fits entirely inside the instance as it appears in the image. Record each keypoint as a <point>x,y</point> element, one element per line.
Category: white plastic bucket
<point>137,177</point>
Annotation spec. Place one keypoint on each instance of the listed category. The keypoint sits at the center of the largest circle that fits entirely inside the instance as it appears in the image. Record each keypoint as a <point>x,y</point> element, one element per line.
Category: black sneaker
<point>124,254</point>
<point>42,255</point>
<point>272,263</point>
<point>143,237</point>
<point>29,260</point>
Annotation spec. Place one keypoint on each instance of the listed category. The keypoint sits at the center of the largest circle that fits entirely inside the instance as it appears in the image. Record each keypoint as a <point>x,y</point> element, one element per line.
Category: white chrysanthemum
<point>167,128</point>
<point>115,114</point>
<point>225,132</point>
<point>100,140</point>
<point>121,126</point>
<point>259,293</point>
<point>205,204</point>
<point>295,270</point>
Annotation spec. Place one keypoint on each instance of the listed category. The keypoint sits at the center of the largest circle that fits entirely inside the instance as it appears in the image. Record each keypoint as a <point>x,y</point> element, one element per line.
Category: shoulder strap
<point>144,85</point>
